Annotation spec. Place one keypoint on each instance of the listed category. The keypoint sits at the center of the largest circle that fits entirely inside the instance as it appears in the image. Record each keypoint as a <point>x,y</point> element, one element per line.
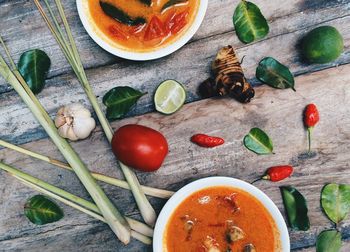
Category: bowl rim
<point>200,184</point>
<point>149,55</point>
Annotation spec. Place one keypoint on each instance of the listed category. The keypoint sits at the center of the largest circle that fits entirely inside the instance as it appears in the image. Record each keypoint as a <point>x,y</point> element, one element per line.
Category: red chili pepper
<point>311,118</point>
<point>278,173</point>
<point>207,141</point>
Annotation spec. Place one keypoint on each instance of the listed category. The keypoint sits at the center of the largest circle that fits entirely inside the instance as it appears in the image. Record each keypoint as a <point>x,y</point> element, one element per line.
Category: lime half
<point>169,97</point>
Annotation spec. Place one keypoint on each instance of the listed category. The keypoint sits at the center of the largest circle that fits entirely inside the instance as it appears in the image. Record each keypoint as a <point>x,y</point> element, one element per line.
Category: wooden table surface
<point>279,112</point>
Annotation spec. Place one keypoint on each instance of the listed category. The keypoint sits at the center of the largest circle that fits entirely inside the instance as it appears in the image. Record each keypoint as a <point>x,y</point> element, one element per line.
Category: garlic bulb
<point>74,122</point>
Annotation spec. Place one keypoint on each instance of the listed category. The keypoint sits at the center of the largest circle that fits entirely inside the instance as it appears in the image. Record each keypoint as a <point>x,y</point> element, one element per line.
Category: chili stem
<point>114,219</point>
<point>72,55</point>
<point>154,192</point>
<point>135,225</point>
<point>309,136</point>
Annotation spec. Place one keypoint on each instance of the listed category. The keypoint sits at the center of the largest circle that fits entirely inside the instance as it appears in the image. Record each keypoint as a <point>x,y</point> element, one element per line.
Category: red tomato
<point>140,147</point>
<point>176,22</point>
<point>155,29</point>
<point>115,31</point>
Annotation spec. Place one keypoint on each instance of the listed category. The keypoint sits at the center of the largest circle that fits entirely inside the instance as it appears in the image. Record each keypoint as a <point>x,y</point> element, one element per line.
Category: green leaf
<point>296,208</point>
<point>328,241</point>
<point>335,201</point>
<point>41,210</point>
<point>119,101</point>
<point>274,74</point>
<point>172,3</point>
<point>119,15</point>
<point>34,66</point>
<point>258,141</point>
<point>250,24</point>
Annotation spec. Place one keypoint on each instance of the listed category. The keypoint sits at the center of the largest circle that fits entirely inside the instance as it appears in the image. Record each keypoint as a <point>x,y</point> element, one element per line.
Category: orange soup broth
<point>211,218</point>
<point>132,38</point>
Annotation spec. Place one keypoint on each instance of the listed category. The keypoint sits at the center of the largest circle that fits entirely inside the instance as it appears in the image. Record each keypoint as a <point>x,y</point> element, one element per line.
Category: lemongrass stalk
<point>55,32</point>
<point>142,202</point>
<point>154,192</point>
<point>145,207</point>
<point>12,63</point>
<point>142,238</point>
<point>114,219</point>
<point>134,224</point>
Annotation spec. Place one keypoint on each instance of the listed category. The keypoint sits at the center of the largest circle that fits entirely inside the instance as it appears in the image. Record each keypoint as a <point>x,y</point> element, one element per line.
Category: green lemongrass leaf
<point>142,231</point>
<point>74,59</point>
<point>274,74</point>
<point>119,15</point>
<point>135,234</point>
<point>119,101</point>
<point>250,23</point>
<point>46,187</point>
<point>41,210</point>
<point>34,66</point>
<point>171,3</point>
<point>296,208</point>
<point>258,141</point>
<point>328,241</point>
<point>335,201</point>
<point>115,220</point>
<point>155,192</point>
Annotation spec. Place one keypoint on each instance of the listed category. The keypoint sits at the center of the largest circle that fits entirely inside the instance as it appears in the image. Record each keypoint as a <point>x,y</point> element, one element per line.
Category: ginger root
<point>228,78</point>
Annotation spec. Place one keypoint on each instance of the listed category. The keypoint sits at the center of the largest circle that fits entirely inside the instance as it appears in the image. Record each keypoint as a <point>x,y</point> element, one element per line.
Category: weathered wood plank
<point>20,18</point>
<point>279,112</point>
<point>283,16</point>
<point>21,127</point>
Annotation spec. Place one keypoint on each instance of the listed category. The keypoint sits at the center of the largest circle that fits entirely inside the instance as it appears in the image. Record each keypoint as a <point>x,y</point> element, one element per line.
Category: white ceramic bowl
<point>186,191</point>
<point>84,15</point>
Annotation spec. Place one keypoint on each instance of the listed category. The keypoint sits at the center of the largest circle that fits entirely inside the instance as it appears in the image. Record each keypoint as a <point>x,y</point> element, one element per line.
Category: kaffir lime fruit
<point>322,45</point>
<point>169,97</point>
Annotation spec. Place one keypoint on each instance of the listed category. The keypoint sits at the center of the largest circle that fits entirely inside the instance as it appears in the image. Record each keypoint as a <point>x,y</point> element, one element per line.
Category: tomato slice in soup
<point>154,30</point>
<point>117,32</point>
<point>176,22</point>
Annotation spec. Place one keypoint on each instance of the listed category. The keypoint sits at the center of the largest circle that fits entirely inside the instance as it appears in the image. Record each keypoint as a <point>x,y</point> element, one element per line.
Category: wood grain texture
<point>278,112</point>
<point>289,21</point>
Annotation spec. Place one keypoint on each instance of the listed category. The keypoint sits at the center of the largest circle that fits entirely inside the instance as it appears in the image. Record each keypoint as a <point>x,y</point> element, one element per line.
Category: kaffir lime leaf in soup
<point>322,45</point>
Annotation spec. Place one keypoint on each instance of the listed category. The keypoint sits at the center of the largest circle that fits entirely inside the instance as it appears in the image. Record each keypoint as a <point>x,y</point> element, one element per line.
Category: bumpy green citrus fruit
<point>322,45</point>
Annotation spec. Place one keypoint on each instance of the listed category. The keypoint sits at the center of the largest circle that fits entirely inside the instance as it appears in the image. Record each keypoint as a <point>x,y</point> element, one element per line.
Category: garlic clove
<point>71,134</point>
<point>83,127</point>
<point>67,131</point>
<point>77,110</point>
<point>60,121</point>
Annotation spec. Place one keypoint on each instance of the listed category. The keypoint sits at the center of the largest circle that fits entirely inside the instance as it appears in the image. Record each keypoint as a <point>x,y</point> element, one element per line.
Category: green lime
<point>322,45</point>
<point>169,97</point>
